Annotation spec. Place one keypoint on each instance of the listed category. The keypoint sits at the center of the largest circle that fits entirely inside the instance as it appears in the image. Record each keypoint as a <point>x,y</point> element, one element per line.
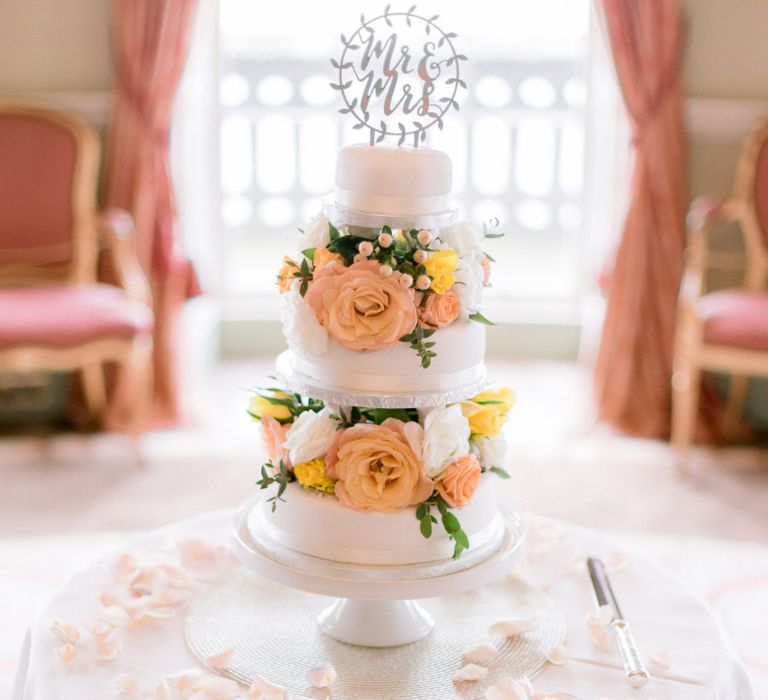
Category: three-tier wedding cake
<point>384,441</point>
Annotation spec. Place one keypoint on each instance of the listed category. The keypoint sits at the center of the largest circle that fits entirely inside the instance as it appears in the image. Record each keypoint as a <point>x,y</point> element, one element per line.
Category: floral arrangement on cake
<point>370,289</point>
<point>385,460</point>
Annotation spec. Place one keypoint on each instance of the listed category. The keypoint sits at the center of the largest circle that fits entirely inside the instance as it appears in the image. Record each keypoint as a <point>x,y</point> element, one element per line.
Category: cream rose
<point>301,328</point>
<point>311,436</point>
<point>446,437</point>
<point>316,235</point>
<point>359,307</point>
<point>378,467</point>
<point>470,274</point>
<point>491,451</point>
<point>459,481</point>
<point>439,310</point>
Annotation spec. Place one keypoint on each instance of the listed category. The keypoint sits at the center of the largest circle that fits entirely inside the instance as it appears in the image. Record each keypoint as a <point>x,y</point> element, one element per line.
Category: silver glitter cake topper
<point>399,74</point>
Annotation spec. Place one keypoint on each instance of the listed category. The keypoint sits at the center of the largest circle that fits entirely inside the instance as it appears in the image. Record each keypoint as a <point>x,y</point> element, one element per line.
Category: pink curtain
<point>634,363</point>
<point>151,40</point>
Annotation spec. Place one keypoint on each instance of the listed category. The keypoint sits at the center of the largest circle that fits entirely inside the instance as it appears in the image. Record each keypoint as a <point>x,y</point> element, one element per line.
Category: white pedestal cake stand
<point>375,606</point>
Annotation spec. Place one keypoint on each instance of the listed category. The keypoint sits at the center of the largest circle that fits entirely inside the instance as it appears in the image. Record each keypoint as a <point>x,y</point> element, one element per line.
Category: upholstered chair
<point>54,314</point>
<point>724,330</point>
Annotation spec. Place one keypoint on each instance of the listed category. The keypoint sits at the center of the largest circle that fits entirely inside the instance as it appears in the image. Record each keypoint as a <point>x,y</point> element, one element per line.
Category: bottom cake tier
<point>319,525</point>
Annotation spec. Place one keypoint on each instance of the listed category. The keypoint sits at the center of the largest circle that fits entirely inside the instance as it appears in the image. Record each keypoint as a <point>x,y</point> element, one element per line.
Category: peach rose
<point>439,310</point>
<point>275,435</point>
<point>287,274</point>
<point>378,467</point>
<point>323,256</point>
<point>359,307</point>
<point>458,482</point>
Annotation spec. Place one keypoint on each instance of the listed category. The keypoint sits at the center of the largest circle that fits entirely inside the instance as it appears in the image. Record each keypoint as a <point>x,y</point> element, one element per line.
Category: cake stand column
<point>375,623</point>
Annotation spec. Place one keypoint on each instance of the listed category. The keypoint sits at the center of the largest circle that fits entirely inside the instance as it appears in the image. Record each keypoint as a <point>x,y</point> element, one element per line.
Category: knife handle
<point>634,669</point>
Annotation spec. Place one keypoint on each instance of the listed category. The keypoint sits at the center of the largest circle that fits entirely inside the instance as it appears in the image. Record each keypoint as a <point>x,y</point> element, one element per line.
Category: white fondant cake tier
<point>395,181</point>
<point>459,363</point>
<point>316,524</point>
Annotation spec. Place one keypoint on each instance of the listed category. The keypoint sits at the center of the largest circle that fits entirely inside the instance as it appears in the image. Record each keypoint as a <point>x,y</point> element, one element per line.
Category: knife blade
<point>634,669</point>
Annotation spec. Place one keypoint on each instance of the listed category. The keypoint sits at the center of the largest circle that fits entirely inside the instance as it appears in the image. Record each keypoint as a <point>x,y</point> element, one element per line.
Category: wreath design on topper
<point>399,84</point>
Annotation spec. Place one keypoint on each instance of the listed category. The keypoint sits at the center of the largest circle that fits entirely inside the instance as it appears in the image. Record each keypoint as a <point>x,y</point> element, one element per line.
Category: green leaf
<point>379,415</point>
<point>309,253</point>
<point>451,523</point>
<point>426,527</point>
<point>303,287</point>
<point>490,257</point>
<point>501,473</point>
<point>461,538</point>
<point>493,235</point>
<point>421,510</point>
<point>333,232</point>
<point>477,316</point>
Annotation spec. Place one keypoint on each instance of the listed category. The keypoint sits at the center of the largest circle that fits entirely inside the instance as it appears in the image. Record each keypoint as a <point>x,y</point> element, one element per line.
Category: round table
<point>120,638</point>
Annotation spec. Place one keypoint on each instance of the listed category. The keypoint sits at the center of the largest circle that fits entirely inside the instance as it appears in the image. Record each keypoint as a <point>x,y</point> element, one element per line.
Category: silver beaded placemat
<point>273,631</point>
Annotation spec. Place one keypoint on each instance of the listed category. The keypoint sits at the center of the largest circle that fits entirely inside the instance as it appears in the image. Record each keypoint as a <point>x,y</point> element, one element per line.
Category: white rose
<point>310,436</point>
<point>491,451</point>
<point>301,328</point>
<point>469,285</point>
<point>462,239</point>
<point>316,234</point>
<point>446,437</point>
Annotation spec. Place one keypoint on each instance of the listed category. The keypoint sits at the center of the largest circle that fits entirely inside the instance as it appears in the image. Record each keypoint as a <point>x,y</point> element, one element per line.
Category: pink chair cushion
<point>37,161</point>
<point>63,317</point>
<point>736,318</point>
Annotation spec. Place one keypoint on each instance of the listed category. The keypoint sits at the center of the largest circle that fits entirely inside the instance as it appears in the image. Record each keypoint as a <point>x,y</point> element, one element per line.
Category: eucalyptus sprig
<point>448,520</point>
<point>416,340</point>
<point>280,476</point>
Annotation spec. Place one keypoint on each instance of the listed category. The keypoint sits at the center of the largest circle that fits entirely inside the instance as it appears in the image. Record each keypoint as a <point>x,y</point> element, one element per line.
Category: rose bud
<point>423,282</point>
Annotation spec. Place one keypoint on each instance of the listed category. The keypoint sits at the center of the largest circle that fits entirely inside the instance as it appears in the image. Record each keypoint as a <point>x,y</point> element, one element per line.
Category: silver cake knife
<point>634,669</point>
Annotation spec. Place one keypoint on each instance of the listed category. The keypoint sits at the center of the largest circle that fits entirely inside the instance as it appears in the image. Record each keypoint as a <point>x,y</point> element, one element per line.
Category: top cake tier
<point>382,299</point>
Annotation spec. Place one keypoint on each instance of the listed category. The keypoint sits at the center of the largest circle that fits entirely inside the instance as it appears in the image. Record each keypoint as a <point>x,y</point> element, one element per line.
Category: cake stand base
<point>375,623</point>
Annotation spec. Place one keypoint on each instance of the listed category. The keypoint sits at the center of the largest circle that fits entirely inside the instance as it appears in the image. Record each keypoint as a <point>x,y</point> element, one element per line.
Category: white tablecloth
<point>666,616</point>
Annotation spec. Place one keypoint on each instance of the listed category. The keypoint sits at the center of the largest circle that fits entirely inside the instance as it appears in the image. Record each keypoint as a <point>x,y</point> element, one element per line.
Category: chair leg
<point>686,385</point>
<point>142,384</point>
<point>737,392</point>
<point>94,390</point>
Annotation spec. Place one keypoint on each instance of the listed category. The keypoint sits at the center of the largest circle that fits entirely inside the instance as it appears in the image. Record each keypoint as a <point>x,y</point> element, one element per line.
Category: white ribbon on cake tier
<point>381,202</point>
<point>340,378</point>
<point>436,212</point>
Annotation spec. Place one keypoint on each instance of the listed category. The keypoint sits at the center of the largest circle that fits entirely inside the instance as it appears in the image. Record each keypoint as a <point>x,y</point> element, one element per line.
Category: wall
<point>54,45</point>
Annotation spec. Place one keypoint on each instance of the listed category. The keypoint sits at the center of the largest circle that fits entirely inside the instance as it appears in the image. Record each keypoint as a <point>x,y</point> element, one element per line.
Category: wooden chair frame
<point>91,232</point>
<point>693,354</point>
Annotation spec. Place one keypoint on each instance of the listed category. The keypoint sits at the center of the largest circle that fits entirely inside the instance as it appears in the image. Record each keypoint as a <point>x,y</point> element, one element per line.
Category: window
<point>517,143</point>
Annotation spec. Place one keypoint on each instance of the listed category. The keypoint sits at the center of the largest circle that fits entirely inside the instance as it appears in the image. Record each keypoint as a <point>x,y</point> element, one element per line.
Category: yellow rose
<point>504,397</point>
<point>486,412</point>
<point>312,475</point>
<point>323,256</point>
<point>260,407</point>
<point>440,267</point>
<point>287,274</point>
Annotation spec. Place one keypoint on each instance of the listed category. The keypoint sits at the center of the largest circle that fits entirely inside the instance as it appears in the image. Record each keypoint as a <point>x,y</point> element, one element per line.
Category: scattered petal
<point>163,692</point>
<point>108,598</point>
<point>185,681</point>
<point>126,684</point>
<point>620,561</point>
<point>125,566</point>
<point>66,653</point>
<point>514,626</point>
<point>600,638</point>
<point>482,654</point>
<point>510,689</point>
<point>220,661</point>
<point>559,656</point>
<point>600,618</point>
<point>323,676</point>
<point>215,688</point>
<point>470,672</point>
<point>659,657</point>
<point>66,633</point>
<point>262,689</point>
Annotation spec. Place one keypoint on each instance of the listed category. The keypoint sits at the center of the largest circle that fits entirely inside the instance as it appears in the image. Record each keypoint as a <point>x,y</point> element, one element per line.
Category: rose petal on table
<point>163,691</point>
<point>322,676</point>
<point>113,616</point>
<point>514,626</point>
<point>559,655</point>
<point>262,689</point>
<point>215,688</point>
<point>220,660</point>
<point>510,689</point>
<point>66,653</point>
<point>126,684</point>
<point>470,672</point>
<point>107,599</point>
<point>482,654</point>
<point>599,618</point>
<point>125,566</point>
<point>619,561</point>
<point>600,638</point>
<point>662,658</point>
<point>66,633</point>
<point>185,681</point>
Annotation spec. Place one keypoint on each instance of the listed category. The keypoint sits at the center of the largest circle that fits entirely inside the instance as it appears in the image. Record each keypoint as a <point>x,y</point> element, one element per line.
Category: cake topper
<point>399,74</point>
